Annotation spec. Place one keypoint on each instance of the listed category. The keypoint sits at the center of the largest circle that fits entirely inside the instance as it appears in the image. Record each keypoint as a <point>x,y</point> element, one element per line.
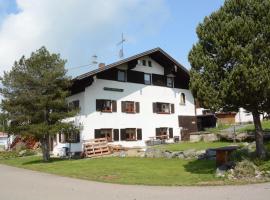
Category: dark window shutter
<point>116,134</point>
<point>137,104</point>
<point>123,106</point>
<point>99,104</point>
<point>154,107</point>
<point>114,106</point>
<point>97,133</point>
<point>123,134</point>
<point>139,134</point>
<point>172,108</point>
<point>170,132</point>
<point>157,132</point>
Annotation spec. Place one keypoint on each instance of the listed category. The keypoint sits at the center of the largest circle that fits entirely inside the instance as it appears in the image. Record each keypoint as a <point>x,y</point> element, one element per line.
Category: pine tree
<point>231,60</point>
<point>35,92</point>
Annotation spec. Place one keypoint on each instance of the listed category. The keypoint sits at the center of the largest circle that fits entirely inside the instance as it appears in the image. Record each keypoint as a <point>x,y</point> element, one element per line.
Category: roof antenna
<point>121,52</point>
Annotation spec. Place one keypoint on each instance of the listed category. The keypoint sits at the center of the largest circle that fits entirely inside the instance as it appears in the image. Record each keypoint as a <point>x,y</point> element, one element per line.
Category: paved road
<point>20,184</point>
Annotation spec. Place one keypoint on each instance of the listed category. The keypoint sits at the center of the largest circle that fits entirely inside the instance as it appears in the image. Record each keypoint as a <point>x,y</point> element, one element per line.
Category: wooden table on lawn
<point>223,154</point>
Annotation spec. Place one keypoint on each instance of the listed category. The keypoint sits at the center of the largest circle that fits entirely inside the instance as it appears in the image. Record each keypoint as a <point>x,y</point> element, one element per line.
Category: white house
<point>131,101</point>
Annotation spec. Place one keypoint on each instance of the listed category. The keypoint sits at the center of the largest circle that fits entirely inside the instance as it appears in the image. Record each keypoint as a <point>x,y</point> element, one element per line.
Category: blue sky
<point>79,29</point>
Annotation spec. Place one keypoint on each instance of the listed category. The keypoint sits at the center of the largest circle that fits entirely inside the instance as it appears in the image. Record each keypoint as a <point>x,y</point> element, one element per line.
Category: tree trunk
<point>260,150</point>
<point>45,146</point>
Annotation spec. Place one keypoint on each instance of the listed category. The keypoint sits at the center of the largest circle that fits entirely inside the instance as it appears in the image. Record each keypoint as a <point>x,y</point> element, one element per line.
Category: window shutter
<point>97,133</point>
<point>154,107</point>
<point>114,106</point>
<point>170,132</point>
<point>139,134</point>
<point>157,132</point>
<point>123,105</point>
<point>99,104</point>
<point>137,104</point>
<point>115,134</point>
<point>123,134</point>
<point>172,108</point>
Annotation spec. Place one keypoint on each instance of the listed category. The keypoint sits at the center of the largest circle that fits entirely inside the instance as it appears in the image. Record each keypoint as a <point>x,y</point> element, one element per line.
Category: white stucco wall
<point>148,121</point>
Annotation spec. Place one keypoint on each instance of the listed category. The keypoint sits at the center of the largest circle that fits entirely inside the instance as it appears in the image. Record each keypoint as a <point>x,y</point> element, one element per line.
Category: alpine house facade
<point>132,101</point>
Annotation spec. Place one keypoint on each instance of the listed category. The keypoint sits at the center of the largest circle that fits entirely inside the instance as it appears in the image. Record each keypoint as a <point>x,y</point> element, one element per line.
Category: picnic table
<point>223,154</point>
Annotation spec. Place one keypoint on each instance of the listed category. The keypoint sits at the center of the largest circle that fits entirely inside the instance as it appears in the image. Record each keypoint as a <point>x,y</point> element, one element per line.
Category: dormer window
<point>121,75</point>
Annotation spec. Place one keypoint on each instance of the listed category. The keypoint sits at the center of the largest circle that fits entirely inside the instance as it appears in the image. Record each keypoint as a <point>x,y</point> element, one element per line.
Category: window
<point>105,105</point>
<point>163,108</point>
<point>130,107</point>
<point>121,76</point>
<point>170,82</point>
<point>73,137</point>
<point>131,134</point>
<point>182,99</point>
<point>149,63</point>
<point>104,133</point>
<point>144,62</point>
<point>147,79</point>
<point>164,133</point>
<point>74,104</point>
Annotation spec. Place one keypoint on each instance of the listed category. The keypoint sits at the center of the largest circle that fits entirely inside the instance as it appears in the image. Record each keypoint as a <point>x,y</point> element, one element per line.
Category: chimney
<point>101,65</point>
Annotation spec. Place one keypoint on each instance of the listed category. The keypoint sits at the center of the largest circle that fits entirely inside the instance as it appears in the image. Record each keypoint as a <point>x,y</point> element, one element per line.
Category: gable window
<point>104,133</point>
<point>121,75</point>
<point>149,63</point>
<point>182,99</point>
<point>163,108</point>
<point>144,62</point>
<point>130,107</point>
<point>105,105</point>
<point>147,79</point>
<point>170,82</point>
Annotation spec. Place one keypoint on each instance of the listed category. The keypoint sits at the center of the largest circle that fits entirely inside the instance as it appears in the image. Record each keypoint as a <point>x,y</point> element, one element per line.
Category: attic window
<point>144,62</point>
<point>121,76</point>
<point>182,99</point>
<point>149,63</point>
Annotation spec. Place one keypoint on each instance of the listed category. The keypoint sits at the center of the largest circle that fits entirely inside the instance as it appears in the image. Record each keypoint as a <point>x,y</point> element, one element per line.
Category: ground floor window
<point>164,133</point>
<point>131,134</point>
<point>73,137</point>
<point>104,133</point>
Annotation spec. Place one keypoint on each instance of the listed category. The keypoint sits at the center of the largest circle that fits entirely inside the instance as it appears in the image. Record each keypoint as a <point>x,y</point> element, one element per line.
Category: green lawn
<point>219,128</point>
<point>250,127</point>
<point>148,171</point>
<point>193,145</point>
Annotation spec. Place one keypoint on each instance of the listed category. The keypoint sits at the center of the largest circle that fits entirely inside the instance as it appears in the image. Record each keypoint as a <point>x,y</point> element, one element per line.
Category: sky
<point>79,29</point>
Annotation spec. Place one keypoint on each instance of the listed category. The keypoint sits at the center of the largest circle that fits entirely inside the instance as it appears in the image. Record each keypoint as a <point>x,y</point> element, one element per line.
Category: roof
<point>137,56</point>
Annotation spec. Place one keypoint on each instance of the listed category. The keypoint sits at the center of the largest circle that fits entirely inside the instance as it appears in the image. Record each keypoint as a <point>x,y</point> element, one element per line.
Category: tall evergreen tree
<point>231,60</point>
<point>35,92</point>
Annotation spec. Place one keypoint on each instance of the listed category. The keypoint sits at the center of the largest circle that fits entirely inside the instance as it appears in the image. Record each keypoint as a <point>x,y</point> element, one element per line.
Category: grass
<point>182,146</point>
<point>219,128</point>
<point>250,127</point>
<point>146,171</point>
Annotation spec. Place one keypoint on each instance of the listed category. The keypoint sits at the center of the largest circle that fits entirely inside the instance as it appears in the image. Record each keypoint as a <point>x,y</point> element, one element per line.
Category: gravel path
<point>21,184</point>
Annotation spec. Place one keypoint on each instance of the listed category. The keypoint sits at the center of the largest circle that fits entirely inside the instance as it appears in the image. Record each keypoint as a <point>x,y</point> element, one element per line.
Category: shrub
<point>245,169</point>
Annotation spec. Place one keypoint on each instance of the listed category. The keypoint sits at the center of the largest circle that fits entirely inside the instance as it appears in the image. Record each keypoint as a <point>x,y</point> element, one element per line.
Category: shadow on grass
<point>40,161</point>
<point>201,166</point>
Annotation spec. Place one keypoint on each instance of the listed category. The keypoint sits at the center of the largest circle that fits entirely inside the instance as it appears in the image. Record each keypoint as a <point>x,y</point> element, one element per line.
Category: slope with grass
<point>182,146</point>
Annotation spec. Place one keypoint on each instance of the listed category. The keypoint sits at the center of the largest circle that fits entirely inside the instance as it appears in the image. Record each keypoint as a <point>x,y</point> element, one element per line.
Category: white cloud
<point>76,28</point>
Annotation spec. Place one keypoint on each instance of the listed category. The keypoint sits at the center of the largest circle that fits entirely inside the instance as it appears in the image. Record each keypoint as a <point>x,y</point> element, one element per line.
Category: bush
<point>8,154</point>
<point>244,169</point>
<point>240,154</point>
